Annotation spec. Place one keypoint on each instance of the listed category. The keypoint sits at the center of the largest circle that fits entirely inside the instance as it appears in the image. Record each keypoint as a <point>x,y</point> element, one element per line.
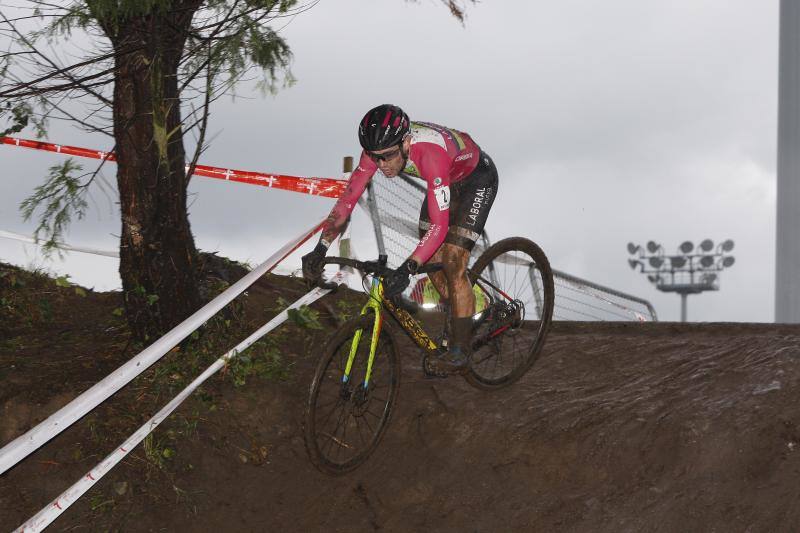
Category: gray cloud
<point>609,122</point>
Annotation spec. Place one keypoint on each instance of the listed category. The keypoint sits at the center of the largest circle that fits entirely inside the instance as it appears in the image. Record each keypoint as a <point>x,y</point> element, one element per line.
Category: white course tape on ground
<point>25,444</point>
<point>50,512</point>
<point>59,245</point>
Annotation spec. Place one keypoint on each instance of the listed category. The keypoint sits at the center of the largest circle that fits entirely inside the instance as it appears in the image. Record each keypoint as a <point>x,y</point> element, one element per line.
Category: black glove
<point>313,263</point>
<point>397,281</point>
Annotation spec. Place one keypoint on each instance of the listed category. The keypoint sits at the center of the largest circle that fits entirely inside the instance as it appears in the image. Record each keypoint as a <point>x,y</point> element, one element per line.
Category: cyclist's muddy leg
<point>462,301</point>
<point>439,279</point>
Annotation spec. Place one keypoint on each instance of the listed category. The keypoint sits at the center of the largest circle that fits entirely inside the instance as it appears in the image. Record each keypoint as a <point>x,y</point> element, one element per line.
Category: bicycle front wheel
<point>347,415</point>
<point>516,287</point>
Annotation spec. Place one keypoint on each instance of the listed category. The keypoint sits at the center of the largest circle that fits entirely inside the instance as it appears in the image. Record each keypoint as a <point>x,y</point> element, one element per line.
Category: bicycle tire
<point>486,371</point>
<point>329,449</point>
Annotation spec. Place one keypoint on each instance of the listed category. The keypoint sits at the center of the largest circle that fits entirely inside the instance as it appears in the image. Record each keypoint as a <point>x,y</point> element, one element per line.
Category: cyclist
<point>461,186</point>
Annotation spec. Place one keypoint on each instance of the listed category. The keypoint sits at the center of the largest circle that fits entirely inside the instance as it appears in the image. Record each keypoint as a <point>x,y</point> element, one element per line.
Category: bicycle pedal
<point>430,372</point>
<point>433,370</point>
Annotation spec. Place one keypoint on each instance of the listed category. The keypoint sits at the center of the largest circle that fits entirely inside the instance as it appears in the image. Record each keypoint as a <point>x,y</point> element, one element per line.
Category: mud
<point>618,427</point>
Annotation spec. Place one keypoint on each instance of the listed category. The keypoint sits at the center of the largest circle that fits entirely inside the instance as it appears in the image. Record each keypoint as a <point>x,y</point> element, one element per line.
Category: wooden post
<point>344,240</point>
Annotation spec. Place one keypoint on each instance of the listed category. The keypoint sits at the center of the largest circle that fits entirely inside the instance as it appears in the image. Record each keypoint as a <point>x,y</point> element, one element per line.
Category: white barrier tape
<point>25,444</point>
<point>59,245</point>
<point>53,510</point>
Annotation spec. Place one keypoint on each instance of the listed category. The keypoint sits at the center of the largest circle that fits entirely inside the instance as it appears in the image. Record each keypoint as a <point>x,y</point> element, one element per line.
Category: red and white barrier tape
<point>53,510</point>
<point>59,245</point>
<point>328,187</point>
<point>25,444</point>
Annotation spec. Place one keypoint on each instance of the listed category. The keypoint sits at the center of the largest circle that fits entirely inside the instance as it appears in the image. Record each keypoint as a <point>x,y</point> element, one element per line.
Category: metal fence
<point>394,205</point>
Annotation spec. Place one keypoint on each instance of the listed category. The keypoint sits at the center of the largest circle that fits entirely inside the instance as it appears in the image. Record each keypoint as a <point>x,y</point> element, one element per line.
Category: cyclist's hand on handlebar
<point>372,267</point>
<point>313,263</point>
<point>396,282</point>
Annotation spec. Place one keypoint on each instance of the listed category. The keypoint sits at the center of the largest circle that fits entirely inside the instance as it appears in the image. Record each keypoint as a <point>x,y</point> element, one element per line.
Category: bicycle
<point>357,379</point>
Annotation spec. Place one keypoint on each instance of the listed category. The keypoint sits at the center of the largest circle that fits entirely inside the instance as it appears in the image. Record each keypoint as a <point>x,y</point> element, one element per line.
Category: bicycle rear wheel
<point>345,419</point>
<point>516,283</point>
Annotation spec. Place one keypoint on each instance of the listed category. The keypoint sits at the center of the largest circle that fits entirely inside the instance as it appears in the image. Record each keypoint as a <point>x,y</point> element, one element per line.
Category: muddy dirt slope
<point>619,427</point>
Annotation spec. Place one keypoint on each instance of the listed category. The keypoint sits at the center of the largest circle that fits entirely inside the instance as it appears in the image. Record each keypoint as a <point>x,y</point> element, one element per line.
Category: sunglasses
<point>386,156</point>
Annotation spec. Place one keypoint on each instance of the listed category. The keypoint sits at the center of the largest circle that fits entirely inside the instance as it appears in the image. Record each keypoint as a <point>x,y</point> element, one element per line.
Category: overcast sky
<point>609,122</point>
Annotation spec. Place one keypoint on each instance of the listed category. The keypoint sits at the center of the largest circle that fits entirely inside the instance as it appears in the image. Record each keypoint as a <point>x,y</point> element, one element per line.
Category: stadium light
<point>691,271</point>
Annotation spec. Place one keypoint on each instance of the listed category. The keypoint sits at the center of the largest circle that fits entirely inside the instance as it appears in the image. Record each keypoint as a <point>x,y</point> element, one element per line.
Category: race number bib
<point>442,197</point>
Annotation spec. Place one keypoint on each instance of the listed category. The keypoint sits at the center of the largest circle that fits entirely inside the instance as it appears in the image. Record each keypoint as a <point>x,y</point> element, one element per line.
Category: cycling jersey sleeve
<point>434,166</point>
<point>337,219</point>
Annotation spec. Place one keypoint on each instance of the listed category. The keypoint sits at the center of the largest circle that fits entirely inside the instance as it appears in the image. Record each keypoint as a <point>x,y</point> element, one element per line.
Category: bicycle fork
<point>373,304</point>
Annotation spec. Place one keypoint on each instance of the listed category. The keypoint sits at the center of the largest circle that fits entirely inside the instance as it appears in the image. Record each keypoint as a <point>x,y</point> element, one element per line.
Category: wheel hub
<point>360,400</point>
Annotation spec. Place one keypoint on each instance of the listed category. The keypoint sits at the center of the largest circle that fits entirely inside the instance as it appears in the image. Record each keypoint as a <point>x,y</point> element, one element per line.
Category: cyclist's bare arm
<point>336,222</point>
<point>433,163</point>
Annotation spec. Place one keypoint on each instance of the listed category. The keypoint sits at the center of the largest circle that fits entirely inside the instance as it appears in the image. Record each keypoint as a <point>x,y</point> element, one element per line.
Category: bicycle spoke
<point>373,414</point>
<point>332,439</point>
<point>330,413</point>
<point>343,432</point>
<point>334,451</point>
<point>369,425</point>
<point>360,434</point>
<point>497,360</point>
<point>323,405</point>
<point>519,287</point>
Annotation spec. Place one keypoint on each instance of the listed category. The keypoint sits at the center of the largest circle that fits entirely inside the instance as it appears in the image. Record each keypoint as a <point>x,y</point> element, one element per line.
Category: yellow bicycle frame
<point>376,303</point>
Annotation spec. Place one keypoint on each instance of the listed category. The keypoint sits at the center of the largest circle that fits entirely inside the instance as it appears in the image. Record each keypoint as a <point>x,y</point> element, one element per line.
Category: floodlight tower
<point>787,245</point>
<point>685,273</point>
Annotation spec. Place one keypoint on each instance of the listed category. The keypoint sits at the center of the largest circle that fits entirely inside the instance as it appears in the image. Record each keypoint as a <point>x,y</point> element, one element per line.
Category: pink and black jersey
<point>440,156</point>
<point>436,150</point>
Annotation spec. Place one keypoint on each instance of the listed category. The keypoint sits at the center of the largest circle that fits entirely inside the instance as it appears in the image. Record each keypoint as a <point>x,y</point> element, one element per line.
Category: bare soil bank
<point>618,427</point>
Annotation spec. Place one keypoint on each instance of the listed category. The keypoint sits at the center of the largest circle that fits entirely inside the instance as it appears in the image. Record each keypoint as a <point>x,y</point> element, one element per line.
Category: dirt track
<point>619,427</point>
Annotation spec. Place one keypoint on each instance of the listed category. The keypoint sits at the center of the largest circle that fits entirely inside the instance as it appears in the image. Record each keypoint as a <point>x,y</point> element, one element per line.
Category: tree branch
<point>60,70</point>
<point>199,149</point>
<point>17,92</point>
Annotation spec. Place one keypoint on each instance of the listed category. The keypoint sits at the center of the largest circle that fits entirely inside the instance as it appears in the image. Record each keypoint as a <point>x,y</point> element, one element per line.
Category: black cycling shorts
<point>470,202</point>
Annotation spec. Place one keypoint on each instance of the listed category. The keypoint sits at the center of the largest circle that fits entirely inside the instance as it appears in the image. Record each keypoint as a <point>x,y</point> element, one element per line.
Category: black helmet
<point>382,127</point>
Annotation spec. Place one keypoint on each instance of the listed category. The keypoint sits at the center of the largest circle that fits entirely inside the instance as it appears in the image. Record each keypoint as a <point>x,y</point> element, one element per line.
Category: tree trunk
<point>158,257</point>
